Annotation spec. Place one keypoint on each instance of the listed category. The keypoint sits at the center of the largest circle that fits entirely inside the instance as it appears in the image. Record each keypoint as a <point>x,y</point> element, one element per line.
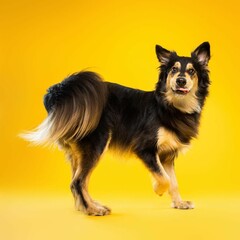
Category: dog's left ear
<point>163,55</point>
<point>203,53</point>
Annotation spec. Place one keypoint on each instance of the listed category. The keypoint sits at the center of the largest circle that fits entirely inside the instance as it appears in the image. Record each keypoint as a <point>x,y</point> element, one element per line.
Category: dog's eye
<point>174,70</point>
<point>191,71</point>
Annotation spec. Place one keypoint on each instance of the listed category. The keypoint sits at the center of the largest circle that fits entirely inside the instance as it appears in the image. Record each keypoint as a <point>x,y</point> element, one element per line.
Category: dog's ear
<point>163,55</point>
<point>202,53</point>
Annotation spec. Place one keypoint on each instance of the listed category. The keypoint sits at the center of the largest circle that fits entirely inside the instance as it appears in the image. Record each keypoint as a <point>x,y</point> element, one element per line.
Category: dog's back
<point>130,115</point>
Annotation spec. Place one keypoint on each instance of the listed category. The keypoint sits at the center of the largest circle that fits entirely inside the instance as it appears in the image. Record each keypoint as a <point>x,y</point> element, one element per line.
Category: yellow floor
<point>53,217</point>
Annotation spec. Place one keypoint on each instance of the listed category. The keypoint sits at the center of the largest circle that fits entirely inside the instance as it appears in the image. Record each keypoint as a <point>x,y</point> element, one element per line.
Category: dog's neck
<point>184,124</point>
<point>186,104</point>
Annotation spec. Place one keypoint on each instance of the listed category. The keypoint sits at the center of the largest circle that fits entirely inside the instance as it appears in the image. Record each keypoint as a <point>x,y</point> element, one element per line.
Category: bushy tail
<point>74,109</point>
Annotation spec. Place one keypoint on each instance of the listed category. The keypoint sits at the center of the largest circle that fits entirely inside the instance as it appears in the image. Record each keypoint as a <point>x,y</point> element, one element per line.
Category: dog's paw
<point>183,205</point>
<point>96,209</point>
<point>161,188</point>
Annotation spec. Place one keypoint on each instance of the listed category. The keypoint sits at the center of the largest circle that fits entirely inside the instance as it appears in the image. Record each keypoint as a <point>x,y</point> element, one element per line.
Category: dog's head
<point>184,81</point>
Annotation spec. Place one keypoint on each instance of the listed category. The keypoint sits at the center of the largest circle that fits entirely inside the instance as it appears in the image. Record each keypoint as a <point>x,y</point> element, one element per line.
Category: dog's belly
<point>168,141</point>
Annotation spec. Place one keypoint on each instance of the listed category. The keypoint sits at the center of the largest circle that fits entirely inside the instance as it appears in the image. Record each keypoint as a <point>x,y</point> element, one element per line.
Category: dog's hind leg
<point>84,156</point>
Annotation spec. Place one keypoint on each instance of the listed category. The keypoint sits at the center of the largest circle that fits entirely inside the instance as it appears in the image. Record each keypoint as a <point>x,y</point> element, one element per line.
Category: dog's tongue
<point>183,90</point>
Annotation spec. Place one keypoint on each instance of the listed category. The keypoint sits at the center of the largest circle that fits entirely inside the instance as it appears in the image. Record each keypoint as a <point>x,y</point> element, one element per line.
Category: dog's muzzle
<point>181,86</point>
<point>181,82</point>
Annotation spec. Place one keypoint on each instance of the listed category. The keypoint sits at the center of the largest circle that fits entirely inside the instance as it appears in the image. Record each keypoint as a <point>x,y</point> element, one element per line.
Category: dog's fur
<point>87,115</point>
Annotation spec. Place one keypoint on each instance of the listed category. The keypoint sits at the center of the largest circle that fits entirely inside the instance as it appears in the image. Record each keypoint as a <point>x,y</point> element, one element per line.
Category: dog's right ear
<point>163,55</point>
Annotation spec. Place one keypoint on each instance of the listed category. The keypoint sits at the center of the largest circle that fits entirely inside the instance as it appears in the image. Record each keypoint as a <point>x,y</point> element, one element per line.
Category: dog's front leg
<point>177,201</point>
<point>161,180</point>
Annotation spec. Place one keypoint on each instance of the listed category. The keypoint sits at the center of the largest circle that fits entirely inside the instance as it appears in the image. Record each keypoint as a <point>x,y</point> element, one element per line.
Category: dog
<point>87,115</point>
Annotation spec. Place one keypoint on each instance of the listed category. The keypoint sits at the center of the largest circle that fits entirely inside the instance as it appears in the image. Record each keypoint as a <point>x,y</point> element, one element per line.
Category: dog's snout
<point>181,82</point>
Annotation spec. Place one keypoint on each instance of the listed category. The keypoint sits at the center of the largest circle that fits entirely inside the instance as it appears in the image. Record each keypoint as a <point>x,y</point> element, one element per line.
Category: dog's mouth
<point>182,91</point>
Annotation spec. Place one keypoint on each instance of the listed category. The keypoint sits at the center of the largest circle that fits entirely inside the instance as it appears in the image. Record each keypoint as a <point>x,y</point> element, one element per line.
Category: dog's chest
<point>168,141</point>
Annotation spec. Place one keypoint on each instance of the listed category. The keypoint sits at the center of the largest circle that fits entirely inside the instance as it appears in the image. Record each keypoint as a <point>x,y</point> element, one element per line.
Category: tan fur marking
<point>168,141</point>
<point>186,103</point>
<point>173,190</point>
<point>108,143</point>
<point>193,77</point>
<point>189,65</point>
<point>177,65</point>
<point>76,157</point>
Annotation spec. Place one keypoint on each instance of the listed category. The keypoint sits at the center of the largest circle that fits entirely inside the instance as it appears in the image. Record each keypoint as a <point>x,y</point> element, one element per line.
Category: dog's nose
<point>181,82</point>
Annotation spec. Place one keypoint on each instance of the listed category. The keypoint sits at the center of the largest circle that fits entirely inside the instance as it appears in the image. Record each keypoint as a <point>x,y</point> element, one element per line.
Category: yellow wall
<point>44,41</point>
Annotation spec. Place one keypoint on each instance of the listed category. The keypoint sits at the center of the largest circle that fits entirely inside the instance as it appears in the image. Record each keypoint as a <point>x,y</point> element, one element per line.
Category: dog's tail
<point>74,109</point>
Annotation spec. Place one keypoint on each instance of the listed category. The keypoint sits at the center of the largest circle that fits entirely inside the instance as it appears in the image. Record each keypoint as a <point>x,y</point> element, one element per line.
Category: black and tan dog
<point>87,115</point>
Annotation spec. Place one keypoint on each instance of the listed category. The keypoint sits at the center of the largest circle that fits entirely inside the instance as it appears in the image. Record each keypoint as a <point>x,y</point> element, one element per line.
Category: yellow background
<point>44,41</point>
